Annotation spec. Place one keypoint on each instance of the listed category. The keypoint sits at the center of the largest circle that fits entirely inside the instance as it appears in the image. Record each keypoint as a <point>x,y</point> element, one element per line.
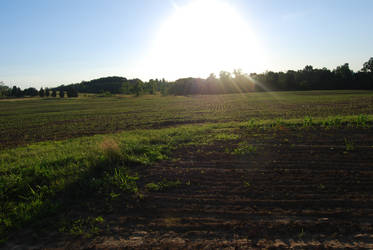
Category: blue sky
<point>52,42</point>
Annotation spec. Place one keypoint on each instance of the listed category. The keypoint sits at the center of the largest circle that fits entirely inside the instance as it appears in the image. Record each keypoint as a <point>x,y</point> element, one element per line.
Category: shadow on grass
<point>70,209</point>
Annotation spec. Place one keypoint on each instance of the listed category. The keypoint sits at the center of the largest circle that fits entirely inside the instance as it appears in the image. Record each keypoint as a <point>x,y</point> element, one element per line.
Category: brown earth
<point>300,189</point>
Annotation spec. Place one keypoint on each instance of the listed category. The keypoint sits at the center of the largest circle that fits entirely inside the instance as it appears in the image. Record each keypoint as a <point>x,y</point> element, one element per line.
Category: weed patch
<point>244,148</point>
<point>349,145</point>
<point>162,185</point>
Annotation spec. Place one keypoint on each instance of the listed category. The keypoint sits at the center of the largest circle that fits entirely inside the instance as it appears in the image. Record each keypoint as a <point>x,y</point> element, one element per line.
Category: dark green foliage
<point>187,86</point>
<point>314,79</point>
<point>16,92</point>
<point>54,93</point>
<point>41,92</point>
<point>46,92</point>
<point>4,90</point>
<point>150,87</point>
<point>224,85</point>
<point>118,85</point>
<point>72,92</point>
<point>114,85</point>
<point>307,79</point>
<point>368,66</point>
<point>31,92</point>
<point>136,86</point>
<point>62,93</point>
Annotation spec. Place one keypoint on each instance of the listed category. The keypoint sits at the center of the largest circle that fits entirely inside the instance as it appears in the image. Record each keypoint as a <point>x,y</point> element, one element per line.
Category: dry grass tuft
<point>111,149</point>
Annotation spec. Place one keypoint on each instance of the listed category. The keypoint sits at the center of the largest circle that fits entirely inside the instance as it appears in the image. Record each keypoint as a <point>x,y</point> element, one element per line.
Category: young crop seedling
<point>153,186</point>
<point>252,123</point>
<point>162,185</point>
<point>349,145</point>
<point>247,184</point>
<point>301,234</point>
<point>244,148</point>
<point>125,182</point>
<point>361,120</point>
<point>277,124</point>
<point>307,121</point>
<point>332,122</point>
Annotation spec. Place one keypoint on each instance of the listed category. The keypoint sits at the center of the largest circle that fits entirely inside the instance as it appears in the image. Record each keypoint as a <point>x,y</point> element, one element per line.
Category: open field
<point>31,120</point>
<point>281,169</point>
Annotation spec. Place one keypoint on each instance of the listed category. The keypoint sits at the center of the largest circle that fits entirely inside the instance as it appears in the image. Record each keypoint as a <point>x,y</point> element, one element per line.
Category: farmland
<point>31,120</point>
<point>274,169</point>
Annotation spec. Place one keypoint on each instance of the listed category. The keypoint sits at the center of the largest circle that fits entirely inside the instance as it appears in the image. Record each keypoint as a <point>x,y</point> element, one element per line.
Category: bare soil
<point>301,189</point>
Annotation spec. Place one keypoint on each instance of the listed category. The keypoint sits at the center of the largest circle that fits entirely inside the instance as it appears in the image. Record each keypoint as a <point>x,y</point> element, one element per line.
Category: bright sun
<point>202,37</point>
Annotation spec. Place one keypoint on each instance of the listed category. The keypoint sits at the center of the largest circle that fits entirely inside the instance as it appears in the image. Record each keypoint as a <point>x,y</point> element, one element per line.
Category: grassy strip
<point>352,121</point>
<point>38,180</point>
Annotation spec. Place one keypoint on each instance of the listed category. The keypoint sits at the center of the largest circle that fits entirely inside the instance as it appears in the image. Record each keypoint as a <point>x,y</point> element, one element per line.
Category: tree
<point>31,92</point>
<point>41,92</point>
<point>213,85</point>
<point>151,88</point>
<point>368,66</point>
<point>227,82</point>
<point>72,92</point>
<point>4,90</point>
<point>54,93</point>
<point>343,76</point>
<point>136,86</point>
<point>46,92</point>
<point>62,93</point>
<point>14,91</point>
<point>242,81</point>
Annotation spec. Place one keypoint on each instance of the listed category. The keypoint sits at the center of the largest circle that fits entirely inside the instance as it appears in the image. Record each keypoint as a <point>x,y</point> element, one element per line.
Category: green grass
<point>39,179</point>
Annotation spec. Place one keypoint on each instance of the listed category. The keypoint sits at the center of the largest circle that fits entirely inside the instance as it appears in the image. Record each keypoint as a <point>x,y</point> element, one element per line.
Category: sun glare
<point>202,37</point>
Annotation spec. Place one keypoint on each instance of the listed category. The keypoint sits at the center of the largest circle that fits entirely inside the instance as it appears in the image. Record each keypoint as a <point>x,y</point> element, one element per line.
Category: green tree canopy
<point>368,66</point>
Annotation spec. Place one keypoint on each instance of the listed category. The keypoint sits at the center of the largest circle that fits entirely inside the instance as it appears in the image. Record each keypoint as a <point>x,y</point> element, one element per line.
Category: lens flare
<point>203,37</point>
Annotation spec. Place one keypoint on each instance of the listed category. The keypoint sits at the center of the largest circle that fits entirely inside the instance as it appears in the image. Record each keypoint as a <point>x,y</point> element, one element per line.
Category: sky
<point>48,43</point>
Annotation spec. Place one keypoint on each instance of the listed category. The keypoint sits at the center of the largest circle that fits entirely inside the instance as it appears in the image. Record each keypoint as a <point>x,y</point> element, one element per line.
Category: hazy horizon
<point>48,43</point>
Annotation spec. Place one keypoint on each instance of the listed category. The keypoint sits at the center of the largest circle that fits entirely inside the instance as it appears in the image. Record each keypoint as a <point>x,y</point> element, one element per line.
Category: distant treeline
<point>15,92</point>
<point>308,78</point>
<point>118,85</point>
